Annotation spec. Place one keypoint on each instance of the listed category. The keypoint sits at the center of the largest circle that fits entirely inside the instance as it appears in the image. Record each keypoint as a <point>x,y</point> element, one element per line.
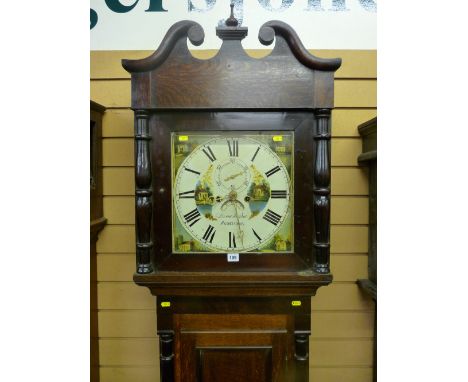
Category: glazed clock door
<point>232,192</point>
<point>232,185</point>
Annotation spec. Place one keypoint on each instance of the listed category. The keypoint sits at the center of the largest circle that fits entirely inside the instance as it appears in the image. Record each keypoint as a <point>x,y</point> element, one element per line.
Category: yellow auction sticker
<point>183,138</point>
<point>277,138</point>
<point>296,303</point>
<point>165,304</point>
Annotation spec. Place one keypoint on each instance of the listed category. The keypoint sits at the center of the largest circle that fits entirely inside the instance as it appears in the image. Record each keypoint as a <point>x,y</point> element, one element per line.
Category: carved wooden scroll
<point>288,78</point>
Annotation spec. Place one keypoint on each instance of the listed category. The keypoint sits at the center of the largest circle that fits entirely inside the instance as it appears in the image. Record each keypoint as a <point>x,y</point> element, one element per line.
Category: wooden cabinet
<point>95,160</point>
<point>368,158</point>
<point>97,223</point>
<point>232,197</point>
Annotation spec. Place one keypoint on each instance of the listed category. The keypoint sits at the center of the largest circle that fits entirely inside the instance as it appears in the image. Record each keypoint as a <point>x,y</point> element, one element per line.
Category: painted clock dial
<point>232,193</point>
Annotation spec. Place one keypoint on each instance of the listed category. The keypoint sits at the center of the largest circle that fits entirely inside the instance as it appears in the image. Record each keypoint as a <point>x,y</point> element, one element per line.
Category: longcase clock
<point>232,198</point>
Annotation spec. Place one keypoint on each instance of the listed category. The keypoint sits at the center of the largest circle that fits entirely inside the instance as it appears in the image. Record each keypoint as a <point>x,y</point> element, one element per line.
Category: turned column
<point>143,193</point>
<point>301,355</point>
<point>166,355</point>
<point>321,192</point>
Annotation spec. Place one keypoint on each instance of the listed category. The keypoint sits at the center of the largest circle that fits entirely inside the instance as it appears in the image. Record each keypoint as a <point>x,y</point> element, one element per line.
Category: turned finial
<point>232,21</point>
<point>230,29</point>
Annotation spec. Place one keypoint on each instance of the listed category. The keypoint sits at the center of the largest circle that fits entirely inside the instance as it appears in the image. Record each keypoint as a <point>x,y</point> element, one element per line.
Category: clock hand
<point>240,232</point>
<point>233,176</point>
<point>219,199</point>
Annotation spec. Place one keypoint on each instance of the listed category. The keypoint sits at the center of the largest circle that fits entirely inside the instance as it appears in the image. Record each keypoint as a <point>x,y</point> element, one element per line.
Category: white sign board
<point>321,24</point>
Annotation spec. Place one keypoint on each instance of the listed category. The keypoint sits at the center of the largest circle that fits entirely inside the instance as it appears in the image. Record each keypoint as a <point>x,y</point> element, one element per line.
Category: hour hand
<point>233,176</point>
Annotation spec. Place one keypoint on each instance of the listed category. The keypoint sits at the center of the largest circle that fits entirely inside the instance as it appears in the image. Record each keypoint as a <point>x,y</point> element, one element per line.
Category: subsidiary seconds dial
<point>232,194</point>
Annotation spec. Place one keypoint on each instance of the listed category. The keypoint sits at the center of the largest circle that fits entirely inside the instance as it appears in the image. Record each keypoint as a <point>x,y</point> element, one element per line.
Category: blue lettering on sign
<point>340,5</point>
<point>285,4</point>
<point>117,7</point>
<point>196,6</point>
<point>314,5</point>
<point>207,5</point>
<point>156,6</point>
<point>369,5</point>
<point>94,18</point>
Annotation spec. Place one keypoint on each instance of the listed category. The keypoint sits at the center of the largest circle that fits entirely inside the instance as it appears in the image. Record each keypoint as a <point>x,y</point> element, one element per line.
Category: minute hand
<point>241,233</point>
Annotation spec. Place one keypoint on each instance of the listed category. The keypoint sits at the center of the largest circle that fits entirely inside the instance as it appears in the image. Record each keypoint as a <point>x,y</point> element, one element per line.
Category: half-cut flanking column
<point>322,192</point>
<point>143,193</point>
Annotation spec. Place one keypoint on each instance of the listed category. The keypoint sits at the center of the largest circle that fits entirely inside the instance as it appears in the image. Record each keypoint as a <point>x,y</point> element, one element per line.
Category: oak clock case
<point>232,156</point>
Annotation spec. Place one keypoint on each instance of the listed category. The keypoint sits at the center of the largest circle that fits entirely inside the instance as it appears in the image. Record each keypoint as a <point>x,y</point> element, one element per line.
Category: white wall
<point>321,24</point>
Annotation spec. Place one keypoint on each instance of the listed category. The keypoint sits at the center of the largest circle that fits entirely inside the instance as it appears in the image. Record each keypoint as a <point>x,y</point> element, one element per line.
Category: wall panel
<point>340,352</point>
<point>342,316</point>
<point>117,239</point>
<point>118,181</point>
<point>341,374</point>
<point>118,123</point>
<point>326,324</point>
<point>130,373</point>
<point>118,152</point>
<point>344,121</point>
<point>128,351</point>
